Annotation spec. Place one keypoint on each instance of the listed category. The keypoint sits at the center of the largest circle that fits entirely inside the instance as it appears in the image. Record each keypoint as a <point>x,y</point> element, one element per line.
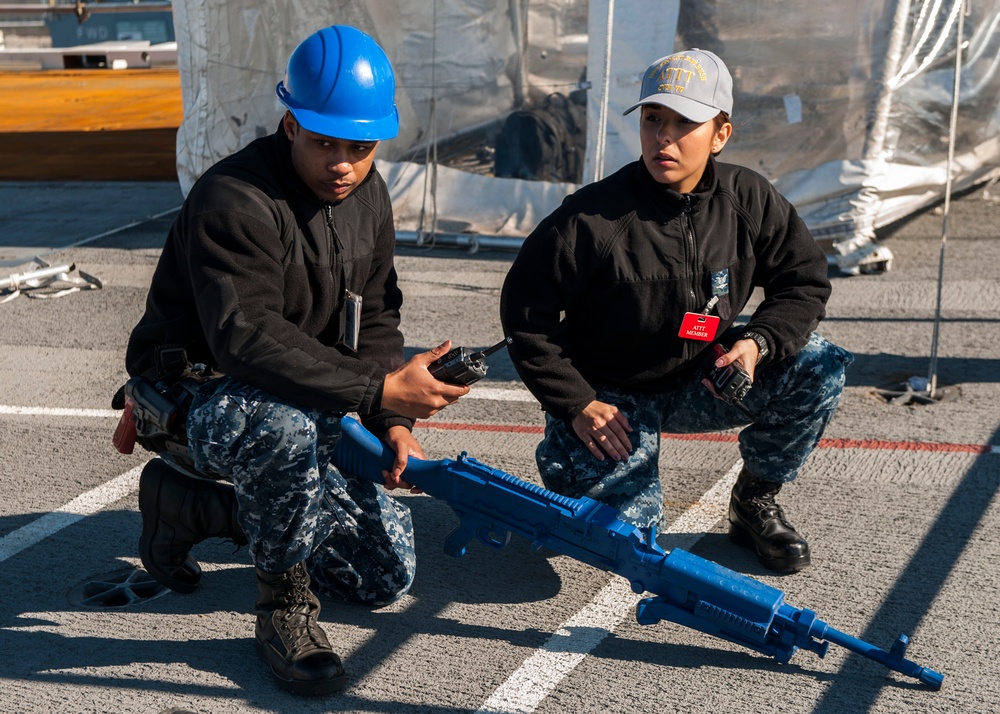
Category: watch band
<point>761,343</point>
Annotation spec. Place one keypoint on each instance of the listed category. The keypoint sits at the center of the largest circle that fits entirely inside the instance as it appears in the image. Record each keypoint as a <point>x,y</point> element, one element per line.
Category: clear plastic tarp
<point>844,106</point>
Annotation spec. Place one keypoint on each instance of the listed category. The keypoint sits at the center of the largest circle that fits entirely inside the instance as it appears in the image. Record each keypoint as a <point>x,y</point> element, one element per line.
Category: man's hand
<point>413,391</point>
<point>602,428</point>
<point>401,441</point>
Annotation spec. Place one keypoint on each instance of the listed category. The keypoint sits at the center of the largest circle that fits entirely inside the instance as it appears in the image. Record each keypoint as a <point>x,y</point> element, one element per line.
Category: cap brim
<point>687,108</point>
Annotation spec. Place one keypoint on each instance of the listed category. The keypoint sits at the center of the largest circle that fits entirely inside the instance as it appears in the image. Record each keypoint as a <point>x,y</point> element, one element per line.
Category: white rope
<point>47,282</point>
<point>602,119</point>
<point>956,92</point>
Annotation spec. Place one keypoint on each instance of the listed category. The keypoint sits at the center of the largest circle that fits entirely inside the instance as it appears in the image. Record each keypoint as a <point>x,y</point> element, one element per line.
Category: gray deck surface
<point>899,504</point>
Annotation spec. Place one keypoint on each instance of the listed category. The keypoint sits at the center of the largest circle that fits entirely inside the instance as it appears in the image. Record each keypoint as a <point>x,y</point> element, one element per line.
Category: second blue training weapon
<point>697,593</point>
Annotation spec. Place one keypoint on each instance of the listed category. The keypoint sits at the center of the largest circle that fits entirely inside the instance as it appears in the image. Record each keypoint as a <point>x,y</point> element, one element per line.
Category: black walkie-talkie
<point>461,367</point>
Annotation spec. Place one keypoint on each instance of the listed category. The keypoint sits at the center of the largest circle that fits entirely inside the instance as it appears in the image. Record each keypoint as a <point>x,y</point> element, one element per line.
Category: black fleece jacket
<point>598,290</point>
<point>252,279</point>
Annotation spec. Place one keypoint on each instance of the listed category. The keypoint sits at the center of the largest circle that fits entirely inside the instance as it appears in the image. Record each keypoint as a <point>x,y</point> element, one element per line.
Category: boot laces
<point>301,629</point>
<point>764,506</point>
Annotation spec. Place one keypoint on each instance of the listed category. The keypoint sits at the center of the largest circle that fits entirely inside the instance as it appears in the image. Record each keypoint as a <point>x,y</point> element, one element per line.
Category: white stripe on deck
<point>542,672</point>
<point>84,505</point>
<point>51,411</point>
<point>500,395</point>
<point>489,393</point>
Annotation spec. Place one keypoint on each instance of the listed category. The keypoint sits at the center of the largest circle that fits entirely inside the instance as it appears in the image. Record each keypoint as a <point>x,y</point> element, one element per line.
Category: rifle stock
<point>691,591</point>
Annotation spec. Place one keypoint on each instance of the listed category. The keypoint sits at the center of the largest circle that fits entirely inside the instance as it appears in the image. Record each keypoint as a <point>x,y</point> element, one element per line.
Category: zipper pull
<point>328,212</point>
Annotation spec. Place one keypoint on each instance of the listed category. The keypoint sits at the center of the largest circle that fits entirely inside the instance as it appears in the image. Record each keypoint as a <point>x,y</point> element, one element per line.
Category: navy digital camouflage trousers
<point>792,401</point>
<point>294,506</point>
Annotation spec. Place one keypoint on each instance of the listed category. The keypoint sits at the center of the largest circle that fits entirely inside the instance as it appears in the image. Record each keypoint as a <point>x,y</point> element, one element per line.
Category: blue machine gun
<point>697,593</point>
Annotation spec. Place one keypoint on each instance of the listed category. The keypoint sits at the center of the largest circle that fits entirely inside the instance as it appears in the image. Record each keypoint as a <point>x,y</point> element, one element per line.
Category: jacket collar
<point>286,174</point>
<point>706,187</point>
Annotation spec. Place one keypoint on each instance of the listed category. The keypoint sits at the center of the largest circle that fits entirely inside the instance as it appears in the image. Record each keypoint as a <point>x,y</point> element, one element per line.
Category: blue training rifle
<point>691,591</point>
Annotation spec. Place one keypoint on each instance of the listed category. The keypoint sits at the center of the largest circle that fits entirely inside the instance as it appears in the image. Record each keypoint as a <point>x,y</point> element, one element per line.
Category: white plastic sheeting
<point>844,106</point>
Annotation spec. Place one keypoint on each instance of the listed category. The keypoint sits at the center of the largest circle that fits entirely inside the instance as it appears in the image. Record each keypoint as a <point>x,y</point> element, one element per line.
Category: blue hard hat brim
<point>340,127</point>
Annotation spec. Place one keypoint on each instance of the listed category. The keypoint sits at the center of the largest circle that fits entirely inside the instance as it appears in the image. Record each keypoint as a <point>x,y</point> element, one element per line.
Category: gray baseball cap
<point>694,83</point>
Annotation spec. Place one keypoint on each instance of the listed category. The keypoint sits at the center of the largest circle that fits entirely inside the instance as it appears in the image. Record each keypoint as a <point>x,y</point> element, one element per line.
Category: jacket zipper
<point>332,234</point>
<point>692,255</point>
<point>335,246</point>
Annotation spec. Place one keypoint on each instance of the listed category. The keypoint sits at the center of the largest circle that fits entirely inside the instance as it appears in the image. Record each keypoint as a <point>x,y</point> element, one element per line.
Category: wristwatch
<point>761,343</point>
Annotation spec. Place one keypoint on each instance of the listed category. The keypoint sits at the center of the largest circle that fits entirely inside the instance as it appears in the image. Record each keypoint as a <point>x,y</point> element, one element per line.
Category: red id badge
<point>696,326</point>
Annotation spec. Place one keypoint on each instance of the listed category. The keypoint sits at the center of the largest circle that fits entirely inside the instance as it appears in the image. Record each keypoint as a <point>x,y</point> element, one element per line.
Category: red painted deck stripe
<point>878,444</point>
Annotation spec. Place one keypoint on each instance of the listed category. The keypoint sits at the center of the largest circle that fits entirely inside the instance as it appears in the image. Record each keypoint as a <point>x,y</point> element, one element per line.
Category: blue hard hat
<point>339,83</point>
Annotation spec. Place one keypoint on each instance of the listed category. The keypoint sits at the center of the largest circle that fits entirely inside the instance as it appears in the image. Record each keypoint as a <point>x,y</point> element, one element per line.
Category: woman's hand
<point>746,352</point>
<point>603,429</point>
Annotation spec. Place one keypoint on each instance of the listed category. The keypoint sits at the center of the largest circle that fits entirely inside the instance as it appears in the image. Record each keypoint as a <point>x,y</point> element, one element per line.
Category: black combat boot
<point>179,512</point>
<point>756,521</point>
<point>289,637</point>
